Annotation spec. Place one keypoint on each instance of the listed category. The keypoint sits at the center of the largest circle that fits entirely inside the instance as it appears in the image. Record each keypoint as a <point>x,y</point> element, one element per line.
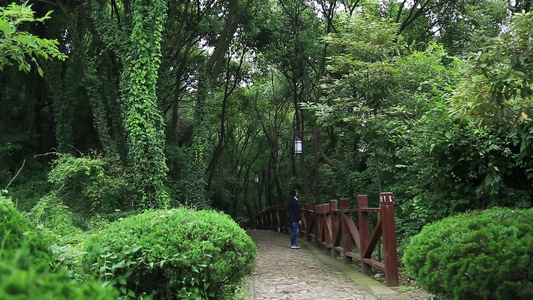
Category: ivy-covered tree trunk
<point>63,108</point>
<point>196,182</point>
<point>143,121</point>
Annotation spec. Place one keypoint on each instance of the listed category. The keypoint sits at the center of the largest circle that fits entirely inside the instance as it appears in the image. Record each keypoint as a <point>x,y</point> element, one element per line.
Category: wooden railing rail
<point>333,229</point>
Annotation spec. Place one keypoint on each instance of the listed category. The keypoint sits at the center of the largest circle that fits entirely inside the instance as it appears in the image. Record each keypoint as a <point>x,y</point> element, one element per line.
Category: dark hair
<point>293,192</point>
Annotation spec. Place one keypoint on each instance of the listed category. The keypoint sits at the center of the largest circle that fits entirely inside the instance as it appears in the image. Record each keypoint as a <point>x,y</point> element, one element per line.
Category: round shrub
<point>477,255</point>
<point>16,231</point>
<point>20,283</point>
<point>172,254</point>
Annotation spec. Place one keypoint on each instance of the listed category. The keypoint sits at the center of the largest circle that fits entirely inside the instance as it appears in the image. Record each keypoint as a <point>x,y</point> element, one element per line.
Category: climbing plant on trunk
<point>142,119</point>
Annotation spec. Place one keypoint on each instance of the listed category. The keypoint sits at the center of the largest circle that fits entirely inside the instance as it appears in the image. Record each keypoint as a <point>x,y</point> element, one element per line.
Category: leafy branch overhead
<point>499,85</point>
<point>20,47</point>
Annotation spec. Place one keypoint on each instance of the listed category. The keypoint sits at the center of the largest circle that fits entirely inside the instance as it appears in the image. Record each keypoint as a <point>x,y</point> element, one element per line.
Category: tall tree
<point>207,76</point>
<point>143,121</point>
<point>137,38</point>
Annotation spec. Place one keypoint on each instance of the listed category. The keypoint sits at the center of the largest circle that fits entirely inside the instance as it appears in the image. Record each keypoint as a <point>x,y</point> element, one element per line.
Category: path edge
<point>363,281</point>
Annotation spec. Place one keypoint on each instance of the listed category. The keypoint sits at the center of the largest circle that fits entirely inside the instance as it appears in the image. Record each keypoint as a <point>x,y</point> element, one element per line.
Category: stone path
<point>307,273</point>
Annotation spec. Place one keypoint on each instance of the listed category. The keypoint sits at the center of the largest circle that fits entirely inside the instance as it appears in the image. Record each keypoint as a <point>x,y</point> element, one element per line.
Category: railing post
<point>270,219</point>
<point>317,223</point>
<point>333,206</point>
<point>308,221</point>
<point>281,215</point>
<point>267,218</point>
<point>287,226</point>
<point>346,236</point>
<point>300,233</point>
<point>281,219</point>
<point>275,220</point>
<point>389,239</point>
<point>329,229</point>
<point>364,231</point>
<point>322,217</point>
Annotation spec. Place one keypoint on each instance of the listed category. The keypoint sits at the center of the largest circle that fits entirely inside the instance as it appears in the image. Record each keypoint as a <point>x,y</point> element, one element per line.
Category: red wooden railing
<point>334,230</point>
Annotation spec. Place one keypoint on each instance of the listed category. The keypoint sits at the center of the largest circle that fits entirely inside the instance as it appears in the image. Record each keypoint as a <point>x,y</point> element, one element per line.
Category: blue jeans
<point>295,230</point>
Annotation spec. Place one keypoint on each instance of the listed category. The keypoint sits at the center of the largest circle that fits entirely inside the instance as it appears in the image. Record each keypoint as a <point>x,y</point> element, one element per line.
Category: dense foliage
<point>16,232</point>
<point>173,254</point>
<point>88,185</point>
<point>415,132</point>
<point>25,261</point>
<point>478,255</point>
<point>29,283</point>
<point>167,110</point>
<point>127,105</point>
<point>19,46</point>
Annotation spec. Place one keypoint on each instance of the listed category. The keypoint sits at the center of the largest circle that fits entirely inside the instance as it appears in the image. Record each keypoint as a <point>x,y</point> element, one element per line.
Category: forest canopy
<point>125,105</point>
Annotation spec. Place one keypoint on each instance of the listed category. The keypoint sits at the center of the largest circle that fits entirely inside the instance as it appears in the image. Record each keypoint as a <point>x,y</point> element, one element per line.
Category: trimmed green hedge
<point>173,254</point>
<point>16,231</point>
<point>477,255</point>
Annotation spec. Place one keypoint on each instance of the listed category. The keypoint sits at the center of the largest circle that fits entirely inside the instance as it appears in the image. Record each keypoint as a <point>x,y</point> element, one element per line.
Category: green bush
<point>28,193</point>
<point>477,255</point>
<point>173,254</point>
<point>54,219</point>
<point>29,283</point>
<point>16,231</point>
<point>88,184</point>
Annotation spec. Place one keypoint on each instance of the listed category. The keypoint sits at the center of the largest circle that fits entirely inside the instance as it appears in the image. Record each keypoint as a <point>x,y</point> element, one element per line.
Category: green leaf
<point>118,265</point>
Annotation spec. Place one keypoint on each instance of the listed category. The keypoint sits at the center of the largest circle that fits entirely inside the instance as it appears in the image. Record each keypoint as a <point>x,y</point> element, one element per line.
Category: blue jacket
<point>294,210</point>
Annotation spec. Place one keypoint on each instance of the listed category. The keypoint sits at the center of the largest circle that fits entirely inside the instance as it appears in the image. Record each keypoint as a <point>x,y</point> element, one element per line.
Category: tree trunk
<point>206,78</point>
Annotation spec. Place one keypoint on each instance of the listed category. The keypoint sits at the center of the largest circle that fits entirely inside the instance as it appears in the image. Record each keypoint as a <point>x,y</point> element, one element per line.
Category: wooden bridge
<point>333,229</point>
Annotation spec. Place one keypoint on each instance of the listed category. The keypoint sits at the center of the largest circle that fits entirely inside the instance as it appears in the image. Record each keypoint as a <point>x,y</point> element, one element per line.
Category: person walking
<point>294,217</point>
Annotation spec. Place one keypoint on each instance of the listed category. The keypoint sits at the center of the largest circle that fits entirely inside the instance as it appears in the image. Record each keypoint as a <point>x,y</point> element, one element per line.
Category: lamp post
<point>298,148</point>
<point>297,145</point>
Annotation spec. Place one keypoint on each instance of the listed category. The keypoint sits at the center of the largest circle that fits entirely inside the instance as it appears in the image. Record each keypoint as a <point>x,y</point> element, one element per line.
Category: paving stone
<point>284,273</point>
<point>296,274</point>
